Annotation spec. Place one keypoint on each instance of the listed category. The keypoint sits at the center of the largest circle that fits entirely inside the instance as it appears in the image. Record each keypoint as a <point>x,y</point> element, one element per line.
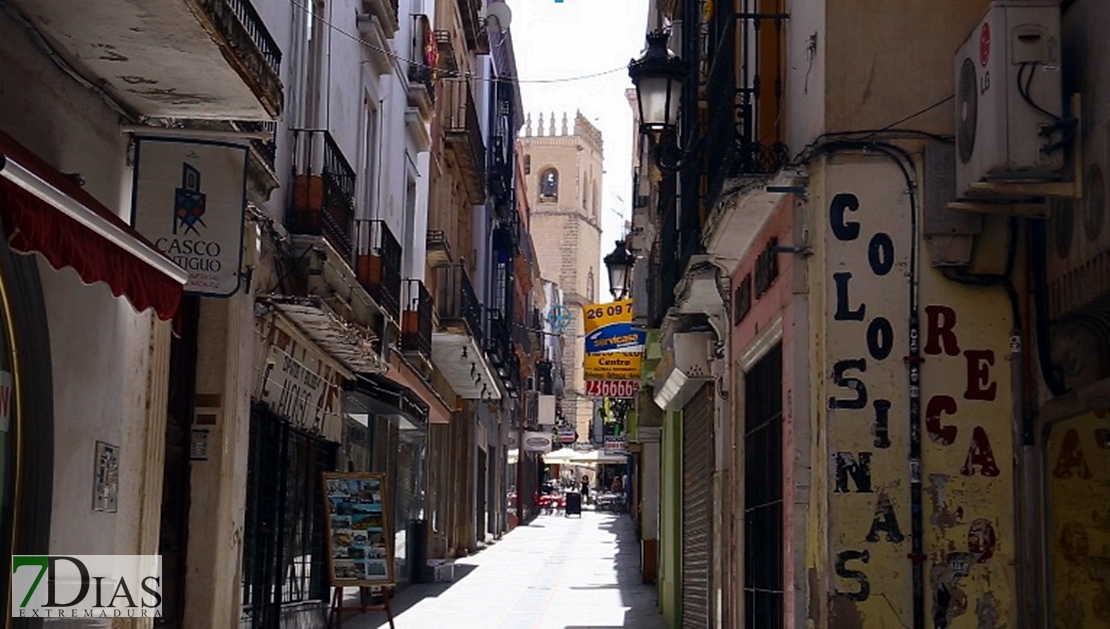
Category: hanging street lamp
<point>619,264</point>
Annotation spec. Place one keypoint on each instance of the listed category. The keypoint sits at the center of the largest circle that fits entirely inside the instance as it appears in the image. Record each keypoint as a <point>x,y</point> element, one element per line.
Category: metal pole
<point>520,474</point>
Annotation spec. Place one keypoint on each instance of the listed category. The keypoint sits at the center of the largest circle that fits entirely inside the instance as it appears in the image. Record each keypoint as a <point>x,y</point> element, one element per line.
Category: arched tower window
<point>549,186</point>
<point>597,202</point>
<point>586,195</point>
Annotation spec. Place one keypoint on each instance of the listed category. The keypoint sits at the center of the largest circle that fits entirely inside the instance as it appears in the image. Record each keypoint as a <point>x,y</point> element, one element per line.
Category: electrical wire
<point>961,275</point>
<point>1023,89</point>
<point>915,114</point>
<point>449,73</point>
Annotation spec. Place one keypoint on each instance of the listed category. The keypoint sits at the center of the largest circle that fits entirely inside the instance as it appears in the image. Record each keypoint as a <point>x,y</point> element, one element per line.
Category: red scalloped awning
<point>45,212</point>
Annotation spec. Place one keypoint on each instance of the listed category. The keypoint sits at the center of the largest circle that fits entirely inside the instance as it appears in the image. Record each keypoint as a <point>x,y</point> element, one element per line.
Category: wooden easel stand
<point>335,617</point>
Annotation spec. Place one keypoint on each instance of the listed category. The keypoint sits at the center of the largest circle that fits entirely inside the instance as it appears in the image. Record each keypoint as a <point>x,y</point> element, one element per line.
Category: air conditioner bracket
<point>1029,199</point>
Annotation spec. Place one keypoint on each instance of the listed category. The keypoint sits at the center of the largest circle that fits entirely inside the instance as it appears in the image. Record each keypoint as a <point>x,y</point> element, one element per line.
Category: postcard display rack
<point>360,547</point>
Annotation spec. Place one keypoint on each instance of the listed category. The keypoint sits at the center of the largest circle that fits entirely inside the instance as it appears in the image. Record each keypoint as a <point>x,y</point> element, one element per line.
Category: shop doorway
<point>284,551</point>
<point>763,533</point>
<point>174,532</point>
<point>480,516</point>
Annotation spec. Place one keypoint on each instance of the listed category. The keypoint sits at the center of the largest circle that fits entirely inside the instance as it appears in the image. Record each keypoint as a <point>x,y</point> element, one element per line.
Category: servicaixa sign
<point>86,586</point>
<point>613,343</point>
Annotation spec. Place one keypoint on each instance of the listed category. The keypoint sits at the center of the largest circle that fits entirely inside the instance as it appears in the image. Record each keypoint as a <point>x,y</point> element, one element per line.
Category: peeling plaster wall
<point>1077,469</point>
<point>966,401</point>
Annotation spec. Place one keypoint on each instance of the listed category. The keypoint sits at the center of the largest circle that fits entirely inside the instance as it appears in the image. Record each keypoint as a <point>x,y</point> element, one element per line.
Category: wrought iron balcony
<point>437,248</point>
<point>456,303</point>
<point>512,376</point>
<point>474,26</point>
<point>545,377</point>
<point>446,46</point>
<point>499,343</point>
<point>265,150</point>
<point>500,174</point>
<point>203,59</point>
<point>386,11</point>
<point>378,264</point>
<point>422,89</point>
<point>323,199</point>
<point>463,135</point>
<point>736,143</point>
<point>416,321</point>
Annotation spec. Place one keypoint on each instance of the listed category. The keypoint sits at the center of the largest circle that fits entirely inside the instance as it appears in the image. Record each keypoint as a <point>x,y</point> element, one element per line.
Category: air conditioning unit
<point>1009,97</point>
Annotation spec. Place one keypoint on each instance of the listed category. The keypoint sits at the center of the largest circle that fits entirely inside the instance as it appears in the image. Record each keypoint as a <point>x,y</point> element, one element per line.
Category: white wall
<point>99,344</point>
<point>805,75</point>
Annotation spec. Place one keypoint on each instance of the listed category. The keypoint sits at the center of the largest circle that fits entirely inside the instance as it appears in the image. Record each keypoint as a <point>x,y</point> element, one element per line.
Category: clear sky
<point>574,38</point>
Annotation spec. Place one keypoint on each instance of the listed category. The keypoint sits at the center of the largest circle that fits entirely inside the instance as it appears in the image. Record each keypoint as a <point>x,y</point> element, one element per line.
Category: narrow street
<point>557,572</point>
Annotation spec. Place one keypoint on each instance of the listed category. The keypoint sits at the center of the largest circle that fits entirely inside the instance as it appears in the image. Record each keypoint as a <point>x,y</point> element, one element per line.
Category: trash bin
<point>574,504</point>
<point>418,552</point>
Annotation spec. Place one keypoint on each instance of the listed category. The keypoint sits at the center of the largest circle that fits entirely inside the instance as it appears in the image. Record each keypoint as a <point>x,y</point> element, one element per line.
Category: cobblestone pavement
<point>557,572</point>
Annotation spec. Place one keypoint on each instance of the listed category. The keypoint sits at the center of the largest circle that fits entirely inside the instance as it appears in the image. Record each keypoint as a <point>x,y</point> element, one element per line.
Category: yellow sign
<point>612,366</point>
<point>601,315</point>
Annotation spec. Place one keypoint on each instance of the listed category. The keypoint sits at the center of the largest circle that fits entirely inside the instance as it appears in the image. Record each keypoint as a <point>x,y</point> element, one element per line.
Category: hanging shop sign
<point>360,548</point>
<point>613,345</point>
<point>188,199</point>
<point>567,435</point>
<point>615,444</point>
<point>545,410</point>
<point>299,384</point>
<point>612,388</point>
<point>537,441</point>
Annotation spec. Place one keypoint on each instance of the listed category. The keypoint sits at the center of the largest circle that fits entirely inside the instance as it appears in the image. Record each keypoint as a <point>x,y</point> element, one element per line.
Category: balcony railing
<point>420,74</point>
<point>735,142</point>
<point>265,149</point>
<point>513,376</point>
<point>386,11</point>
<point>378,264</point>
<point>323,190</point>
<point>437,248</point>
<point>256,30</point>
<point>464,135</point>
<point>416,321</point>
<point>446,48</point>
<point>474,26</point>
<point>499,343</point>
<point>456,302</point>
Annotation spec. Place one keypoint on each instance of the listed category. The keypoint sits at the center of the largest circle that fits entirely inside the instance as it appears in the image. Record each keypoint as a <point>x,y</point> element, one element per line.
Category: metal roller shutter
<point>697,492</point>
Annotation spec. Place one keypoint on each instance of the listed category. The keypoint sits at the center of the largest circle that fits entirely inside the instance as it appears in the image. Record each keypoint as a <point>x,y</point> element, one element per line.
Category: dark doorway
<point>763,534</point>
<point>480,516</point>
<point>284,546</point>
<point>173,536</point>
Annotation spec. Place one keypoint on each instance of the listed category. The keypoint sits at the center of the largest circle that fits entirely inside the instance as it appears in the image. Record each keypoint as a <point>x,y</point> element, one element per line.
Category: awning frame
<point>43,190</point>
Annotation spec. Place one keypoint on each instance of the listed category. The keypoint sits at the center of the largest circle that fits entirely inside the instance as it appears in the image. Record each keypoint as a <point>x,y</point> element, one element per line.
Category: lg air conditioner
<point>1009,99</point>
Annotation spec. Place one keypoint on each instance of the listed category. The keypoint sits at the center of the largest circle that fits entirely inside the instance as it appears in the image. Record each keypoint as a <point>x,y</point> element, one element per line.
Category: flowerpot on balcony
<point>308,204</point>
<point>410,331</point>
<point>369,270</point>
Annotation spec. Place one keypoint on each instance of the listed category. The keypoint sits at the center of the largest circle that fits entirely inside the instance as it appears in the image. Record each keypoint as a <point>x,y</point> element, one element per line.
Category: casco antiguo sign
<point>188,200</point>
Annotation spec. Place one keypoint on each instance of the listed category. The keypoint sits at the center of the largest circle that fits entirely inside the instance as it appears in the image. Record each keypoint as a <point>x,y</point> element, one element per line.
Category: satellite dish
<point>498,16</point>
